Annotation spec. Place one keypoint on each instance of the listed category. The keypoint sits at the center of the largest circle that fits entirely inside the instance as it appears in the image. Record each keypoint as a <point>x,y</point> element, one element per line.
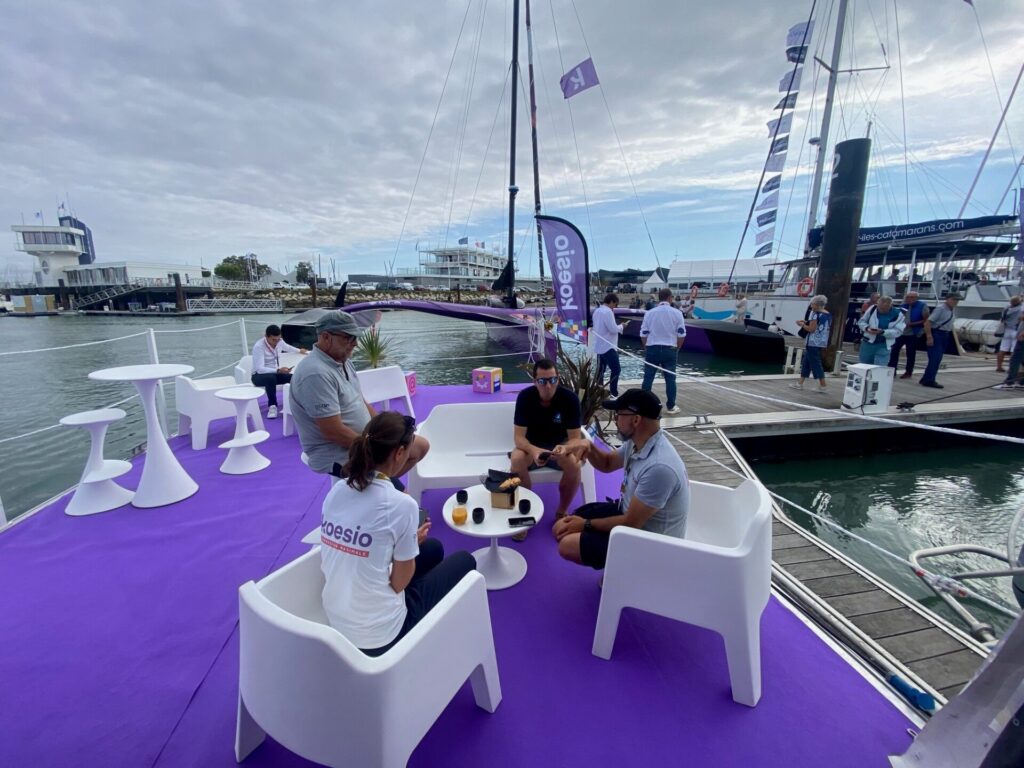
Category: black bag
<point>802,333</point>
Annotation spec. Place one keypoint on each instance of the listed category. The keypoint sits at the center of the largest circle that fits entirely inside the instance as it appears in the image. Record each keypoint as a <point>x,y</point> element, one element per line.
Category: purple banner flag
<point>769,201</point>
<point>579,78</point>
<point>567,256</point>
<point>791,80</point>
<point>772,184</point>
<point>765,237</point>
<point>775,162</point>
<point>787,102</point>
<point>796,35</point>
<point>764,250</point>
<point>780,125</point>
<point>766,218</point>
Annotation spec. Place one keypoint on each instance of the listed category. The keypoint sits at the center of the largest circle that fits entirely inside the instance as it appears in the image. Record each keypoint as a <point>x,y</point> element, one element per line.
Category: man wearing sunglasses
<point>327,402</point>
<point>655,491</point>
<point>546,416</point>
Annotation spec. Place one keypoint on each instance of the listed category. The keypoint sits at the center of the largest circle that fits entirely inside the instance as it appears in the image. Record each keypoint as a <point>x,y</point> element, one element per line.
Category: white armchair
<point>718,577</point>
<point>197,404</point>
<point>467,439</point>
<point>315,693</point>
<point>243,370</point>
<point>381,385</point>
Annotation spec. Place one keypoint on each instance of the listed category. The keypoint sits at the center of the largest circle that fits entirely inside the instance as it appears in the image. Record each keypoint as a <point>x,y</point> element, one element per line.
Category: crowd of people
<point>383,572</point>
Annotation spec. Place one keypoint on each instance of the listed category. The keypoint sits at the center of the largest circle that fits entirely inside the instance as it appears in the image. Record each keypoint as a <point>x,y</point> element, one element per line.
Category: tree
<point>303,272</point>
<point>245,268</point>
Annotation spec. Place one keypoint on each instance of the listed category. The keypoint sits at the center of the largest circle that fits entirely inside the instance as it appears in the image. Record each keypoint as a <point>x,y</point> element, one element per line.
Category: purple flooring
<point>120,646</point>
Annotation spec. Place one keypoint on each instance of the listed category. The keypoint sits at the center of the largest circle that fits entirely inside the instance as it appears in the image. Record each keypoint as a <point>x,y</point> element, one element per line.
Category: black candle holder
<point>524,506</point>
<point>462,496</point>
<point>478,514</point>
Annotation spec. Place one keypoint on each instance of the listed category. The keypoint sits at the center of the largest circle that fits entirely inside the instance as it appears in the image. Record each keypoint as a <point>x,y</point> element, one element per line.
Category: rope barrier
<point>927,575</point>
<point>196,330</point>
<point>73,346</point>
<point>832,413</point>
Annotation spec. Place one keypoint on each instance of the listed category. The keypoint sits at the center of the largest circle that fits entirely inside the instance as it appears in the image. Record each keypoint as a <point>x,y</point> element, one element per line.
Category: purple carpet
<point>121,648</point>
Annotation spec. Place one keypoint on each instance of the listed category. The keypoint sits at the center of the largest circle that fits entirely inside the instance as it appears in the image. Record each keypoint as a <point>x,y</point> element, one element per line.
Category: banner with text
<point>570,273</point>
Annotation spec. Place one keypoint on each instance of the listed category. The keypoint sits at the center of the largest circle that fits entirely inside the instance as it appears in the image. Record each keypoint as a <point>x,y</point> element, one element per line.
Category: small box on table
<point>410,382</point>
<point>487,379</point>
<point>503,487</point>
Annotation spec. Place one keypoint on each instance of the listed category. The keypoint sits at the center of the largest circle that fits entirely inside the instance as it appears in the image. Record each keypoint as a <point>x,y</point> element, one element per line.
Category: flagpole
<point>510,296</point>
<point>533,139</point>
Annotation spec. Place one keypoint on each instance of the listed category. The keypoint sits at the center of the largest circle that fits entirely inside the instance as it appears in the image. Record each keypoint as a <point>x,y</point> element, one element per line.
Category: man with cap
<point>655,489</point>
<point>327,402</point>
<point>938,328</point>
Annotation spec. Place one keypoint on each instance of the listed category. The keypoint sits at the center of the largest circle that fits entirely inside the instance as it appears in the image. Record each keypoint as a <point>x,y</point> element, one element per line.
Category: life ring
<point>694,290</point>
<point>723,289</point>
<point>805,287</point>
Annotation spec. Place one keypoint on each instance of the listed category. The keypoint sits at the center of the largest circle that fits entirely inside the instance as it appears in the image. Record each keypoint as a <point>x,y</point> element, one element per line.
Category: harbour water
<point>902,501</point>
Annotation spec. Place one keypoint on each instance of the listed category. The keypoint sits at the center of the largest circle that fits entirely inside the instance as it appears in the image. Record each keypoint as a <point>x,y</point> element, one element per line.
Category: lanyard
<point>273,353</point>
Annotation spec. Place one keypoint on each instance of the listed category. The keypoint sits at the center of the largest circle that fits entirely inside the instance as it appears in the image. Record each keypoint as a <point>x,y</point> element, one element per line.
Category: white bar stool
<point>243,457</point>
<point>97,492</point>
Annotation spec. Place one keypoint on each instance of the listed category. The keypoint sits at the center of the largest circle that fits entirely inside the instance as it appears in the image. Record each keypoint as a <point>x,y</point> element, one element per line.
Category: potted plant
<point>373,347</point>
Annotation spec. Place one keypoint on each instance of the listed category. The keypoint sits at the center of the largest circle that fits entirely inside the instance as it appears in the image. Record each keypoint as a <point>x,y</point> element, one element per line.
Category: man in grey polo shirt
<point>655,489</point>
<point>327,403</point>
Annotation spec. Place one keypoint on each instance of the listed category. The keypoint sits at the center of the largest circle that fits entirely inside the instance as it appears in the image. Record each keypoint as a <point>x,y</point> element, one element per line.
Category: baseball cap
<point>339,322</point>
<point>637,401</point>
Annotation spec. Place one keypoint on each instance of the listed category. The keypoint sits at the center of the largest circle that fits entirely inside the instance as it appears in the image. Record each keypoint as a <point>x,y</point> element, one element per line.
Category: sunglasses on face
<point>546,379</point>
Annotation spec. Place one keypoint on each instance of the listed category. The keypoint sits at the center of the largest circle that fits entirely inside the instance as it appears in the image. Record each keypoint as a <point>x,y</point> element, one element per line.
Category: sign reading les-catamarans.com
<point>567,256</point>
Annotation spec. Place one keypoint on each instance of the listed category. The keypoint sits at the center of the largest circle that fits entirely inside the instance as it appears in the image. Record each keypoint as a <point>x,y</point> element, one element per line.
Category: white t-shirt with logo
<point>361,533</point>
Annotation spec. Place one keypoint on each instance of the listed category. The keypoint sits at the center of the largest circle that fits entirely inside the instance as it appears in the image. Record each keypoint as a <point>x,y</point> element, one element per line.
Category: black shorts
<point>594,544</point>
<point>552,461</point>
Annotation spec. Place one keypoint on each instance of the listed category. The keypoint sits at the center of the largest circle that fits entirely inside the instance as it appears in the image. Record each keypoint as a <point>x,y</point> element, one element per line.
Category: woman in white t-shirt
<point>382,572</point>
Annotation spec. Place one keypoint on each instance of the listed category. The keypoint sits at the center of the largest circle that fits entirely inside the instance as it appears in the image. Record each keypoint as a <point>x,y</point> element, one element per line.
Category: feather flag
<point>780,125</point>
<point>764,250</point>
<point>771,201</point>
<point>578,79</point>
<point>776,162</point>
<point>791,80</point>
<point>772,184</point>
<point>787,102</point>
<point>765,237</point>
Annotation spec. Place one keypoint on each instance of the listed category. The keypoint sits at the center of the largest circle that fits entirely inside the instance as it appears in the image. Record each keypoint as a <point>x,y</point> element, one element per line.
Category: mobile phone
<point>544,455</point>
<point>521,522</point>
<point>423,516</point>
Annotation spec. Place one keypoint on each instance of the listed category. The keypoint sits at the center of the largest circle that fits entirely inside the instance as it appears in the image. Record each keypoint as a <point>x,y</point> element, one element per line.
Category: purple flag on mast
<point>579,78</point>
<point>567,256</point>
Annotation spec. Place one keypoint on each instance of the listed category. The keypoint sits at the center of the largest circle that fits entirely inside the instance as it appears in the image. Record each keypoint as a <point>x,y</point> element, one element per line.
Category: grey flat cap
<point>339,322</point>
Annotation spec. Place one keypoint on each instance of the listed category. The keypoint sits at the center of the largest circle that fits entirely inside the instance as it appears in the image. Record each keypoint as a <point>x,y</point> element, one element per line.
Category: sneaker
<point>821,390</point>
<point>272,412</point>
<point>796,386</point>
<point>1004,385</point>
<point>673,409</point>
<point>932,384</point>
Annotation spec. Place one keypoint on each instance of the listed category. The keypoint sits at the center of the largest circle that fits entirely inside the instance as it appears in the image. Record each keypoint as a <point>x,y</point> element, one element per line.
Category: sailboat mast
<point>533,139</point>
<point>512,188</point>
<point>826,120</point>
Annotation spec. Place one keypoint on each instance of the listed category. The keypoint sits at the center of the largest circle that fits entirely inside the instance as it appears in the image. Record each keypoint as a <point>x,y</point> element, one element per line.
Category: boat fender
<point>804,287</point>
<point>1018,580</point>
<point>694,290</point>
<point>723,290</point>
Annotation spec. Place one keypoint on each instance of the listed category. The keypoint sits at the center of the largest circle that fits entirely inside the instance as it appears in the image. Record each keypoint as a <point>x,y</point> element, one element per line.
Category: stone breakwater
<point>303,299</point>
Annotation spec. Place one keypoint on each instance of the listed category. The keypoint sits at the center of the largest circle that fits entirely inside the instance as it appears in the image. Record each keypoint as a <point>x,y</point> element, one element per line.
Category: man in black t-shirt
<point>547,415</point>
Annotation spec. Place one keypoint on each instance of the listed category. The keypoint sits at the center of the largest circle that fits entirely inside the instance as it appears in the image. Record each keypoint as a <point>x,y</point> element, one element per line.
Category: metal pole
<point>819,164</point>
<point>245,339</point>
<point>533,139</point>
<point>161,400</point>
<point>512,188</point>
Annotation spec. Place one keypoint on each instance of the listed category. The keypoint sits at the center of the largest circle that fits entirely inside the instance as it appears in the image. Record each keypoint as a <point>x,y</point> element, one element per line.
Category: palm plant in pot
<point>373,347</point>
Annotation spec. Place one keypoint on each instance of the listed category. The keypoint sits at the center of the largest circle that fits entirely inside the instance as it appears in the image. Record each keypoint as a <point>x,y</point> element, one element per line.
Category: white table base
<point>164,481</point>
<point>501,567</point>
<point>93,498</point>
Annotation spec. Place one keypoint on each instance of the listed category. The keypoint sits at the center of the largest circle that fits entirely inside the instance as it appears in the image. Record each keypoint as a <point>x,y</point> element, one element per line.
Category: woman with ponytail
<point>382,572</point>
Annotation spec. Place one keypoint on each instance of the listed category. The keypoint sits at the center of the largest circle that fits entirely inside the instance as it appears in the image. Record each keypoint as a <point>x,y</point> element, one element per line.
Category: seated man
<point>267,371</point>
<point>655,489</point>
<point>547,416</point>
<point>327,402</point>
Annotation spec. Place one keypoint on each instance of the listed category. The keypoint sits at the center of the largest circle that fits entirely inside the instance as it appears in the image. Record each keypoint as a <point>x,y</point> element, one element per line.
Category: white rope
<point>928,576</point>
<point>831,413</point>
<point>476,357</point>
<point>55,426</point>
<point>73,346</point>
<point>195,330</point>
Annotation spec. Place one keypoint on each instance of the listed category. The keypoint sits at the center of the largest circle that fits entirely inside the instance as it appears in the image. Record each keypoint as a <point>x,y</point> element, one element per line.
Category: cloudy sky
<point>188,131</point>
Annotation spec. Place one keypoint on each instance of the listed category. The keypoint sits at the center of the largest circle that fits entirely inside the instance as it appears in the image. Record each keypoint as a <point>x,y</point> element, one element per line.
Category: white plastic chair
<point>287,420</point>
<point>718,577</point>
<point>243,370</point>
<point>197,404</point>
<point>303,683</point>
<point>380,385</point>
<point>467,439</point>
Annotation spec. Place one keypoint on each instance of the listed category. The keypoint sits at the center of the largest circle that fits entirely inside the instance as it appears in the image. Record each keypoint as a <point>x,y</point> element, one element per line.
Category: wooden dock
<point>869,616</point>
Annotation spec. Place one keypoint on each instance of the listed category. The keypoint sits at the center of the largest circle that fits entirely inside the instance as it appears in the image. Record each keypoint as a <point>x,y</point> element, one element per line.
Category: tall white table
<point>164,481</point>
<point>501,567</point>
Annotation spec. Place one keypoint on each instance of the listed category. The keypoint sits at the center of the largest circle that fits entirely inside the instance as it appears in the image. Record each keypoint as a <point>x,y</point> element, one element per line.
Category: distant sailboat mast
<point>510,296</point>
<point>533,139</point>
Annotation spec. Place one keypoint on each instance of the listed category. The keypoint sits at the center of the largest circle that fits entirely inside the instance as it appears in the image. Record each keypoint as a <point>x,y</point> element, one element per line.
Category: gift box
<point>410,382</point>
<point>501,498</point>
<point>487,379</point>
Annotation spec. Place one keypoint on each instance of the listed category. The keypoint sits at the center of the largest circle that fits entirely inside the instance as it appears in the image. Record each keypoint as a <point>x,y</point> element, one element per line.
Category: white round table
<point>164,481</point>
<point>501,567</point>
<point>243,457</point>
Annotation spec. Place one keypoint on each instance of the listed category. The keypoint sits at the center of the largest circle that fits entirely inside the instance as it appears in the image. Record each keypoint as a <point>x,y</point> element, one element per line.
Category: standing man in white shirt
<point>606,341</point>
<point>663,332</point>
<point>267,371</point>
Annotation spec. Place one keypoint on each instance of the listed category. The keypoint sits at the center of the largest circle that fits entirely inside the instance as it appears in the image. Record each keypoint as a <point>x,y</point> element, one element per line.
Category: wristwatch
<point>588,525</point>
